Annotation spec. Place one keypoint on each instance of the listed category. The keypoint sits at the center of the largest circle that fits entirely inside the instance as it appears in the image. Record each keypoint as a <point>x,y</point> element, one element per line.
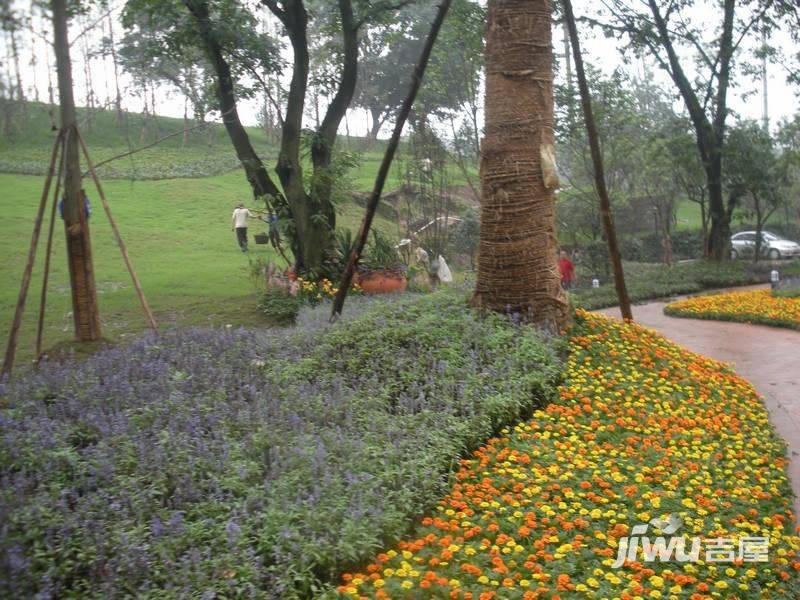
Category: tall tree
<point>668,32</point>
<point>308,201</point>
<point>225,30</point>
<point>110,47</point>
<point>220,30</point>
<point>687,170</point>
<point>518,244</point>
<point>452,83</point>
<point>144,55</point>
<point>11,22</point>
<point>34,61</point>
<point>79,249</point>
<point>756,174</point>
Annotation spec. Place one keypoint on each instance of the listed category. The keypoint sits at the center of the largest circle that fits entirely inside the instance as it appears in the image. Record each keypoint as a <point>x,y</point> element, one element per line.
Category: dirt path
<point>768,357</point>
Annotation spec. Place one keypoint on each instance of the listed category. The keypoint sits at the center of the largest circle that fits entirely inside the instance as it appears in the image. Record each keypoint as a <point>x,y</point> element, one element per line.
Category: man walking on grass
<point>239,223</point>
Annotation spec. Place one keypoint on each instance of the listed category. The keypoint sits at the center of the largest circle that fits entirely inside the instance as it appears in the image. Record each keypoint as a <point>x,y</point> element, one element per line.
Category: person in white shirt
<point>239,224</point>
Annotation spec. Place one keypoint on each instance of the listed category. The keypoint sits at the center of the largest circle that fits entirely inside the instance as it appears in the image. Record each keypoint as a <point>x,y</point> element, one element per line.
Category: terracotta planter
<point>388,281</point>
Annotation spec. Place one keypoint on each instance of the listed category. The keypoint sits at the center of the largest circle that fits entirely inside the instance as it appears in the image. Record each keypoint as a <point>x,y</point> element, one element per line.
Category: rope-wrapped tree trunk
<point>518,248</point>
<point>85,311</point>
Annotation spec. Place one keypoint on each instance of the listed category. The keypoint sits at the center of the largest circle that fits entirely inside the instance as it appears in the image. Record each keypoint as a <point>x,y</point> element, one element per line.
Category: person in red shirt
<point>567,270</point>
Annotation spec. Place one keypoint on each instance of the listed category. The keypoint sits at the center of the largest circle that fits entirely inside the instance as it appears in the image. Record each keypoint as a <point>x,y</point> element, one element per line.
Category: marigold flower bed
<point>747,307</point>
<point>643,429</point>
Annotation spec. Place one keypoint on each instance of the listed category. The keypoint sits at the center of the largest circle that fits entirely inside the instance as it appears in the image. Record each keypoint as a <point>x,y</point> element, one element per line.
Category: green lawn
<point>173,204</point>
<point>179,239</point>
<point>688,215</point>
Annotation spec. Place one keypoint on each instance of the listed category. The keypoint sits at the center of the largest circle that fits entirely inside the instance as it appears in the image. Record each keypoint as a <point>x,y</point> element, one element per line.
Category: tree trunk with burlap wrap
<point>518,249</point>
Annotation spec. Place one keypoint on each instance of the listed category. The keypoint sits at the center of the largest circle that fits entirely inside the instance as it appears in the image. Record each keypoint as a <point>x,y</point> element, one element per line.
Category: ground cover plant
<point>650,281</point>
<point>760,306</point>
<point>643,429</point>
<point>249,464</point>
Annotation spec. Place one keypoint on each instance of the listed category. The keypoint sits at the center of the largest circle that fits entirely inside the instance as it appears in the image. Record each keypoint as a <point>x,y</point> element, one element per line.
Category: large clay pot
<point>387,281</point>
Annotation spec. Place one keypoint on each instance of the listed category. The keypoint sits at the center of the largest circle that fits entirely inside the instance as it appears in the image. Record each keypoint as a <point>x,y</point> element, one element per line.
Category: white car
<point>773,246</point>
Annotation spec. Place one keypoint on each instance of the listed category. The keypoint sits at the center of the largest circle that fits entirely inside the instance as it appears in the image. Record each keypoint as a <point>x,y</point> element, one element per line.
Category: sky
<point>745,99</point>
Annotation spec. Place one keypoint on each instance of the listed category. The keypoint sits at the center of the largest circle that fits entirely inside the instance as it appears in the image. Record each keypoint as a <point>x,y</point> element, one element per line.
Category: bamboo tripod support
<point>58,154</point>
<point>49,250</point>
<point>123,250</point>
<point>11,348</point>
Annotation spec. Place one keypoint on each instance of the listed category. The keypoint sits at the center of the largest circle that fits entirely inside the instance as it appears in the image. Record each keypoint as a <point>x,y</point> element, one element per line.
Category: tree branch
<point>382,8</point>
<point>276,10</point>
<point>383,171</point>
<point>92,25</point>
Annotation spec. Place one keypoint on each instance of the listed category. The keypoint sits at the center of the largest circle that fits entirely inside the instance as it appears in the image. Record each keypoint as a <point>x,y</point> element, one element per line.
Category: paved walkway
<point>768,357</point>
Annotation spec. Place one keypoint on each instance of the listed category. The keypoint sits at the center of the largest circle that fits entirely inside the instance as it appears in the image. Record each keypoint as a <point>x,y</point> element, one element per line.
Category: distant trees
<point>756,177</point>
<point>638,129</point>
<point>12,94</point>
<point>149,59</point>
<point>681,45</point>
<point>788,139</point>
<point>452,81</point>
<point>225,32</point>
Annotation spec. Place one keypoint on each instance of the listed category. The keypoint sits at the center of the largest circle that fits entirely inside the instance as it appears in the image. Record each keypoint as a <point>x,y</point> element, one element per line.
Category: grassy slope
<point>178,235</point>
<point>207,151</point>
<point>689,217</point>
<point>176,229</point>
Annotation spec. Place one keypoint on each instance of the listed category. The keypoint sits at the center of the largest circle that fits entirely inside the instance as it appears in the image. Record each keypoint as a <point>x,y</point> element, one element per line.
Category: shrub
<point>279,306</point>
<point>596,258</point>
<point>466,236</point>
<point>687,244</point>
<point>646,282</point>
<point>229,463</point>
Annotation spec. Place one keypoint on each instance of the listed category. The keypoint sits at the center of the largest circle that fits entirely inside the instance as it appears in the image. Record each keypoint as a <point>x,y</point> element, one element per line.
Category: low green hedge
<point>650,281</point>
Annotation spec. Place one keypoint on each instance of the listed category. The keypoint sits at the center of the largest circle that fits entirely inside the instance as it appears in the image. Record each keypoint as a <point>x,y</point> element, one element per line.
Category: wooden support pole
<point>145,306</point>
<point>383,171</point>
<point>597,162</point>
<point>11,348</point>
<point>48,253</point>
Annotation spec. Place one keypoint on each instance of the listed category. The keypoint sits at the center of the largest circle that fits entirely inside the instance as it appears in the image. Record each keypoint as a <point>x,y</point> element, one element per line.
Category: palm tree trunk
<point>518,246</point>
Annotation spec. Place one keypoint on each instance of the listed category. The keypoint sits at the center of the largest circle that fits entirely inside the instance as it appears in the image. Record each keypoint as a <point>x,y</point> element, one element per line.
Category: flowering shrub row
<point>213,463</point>
<point>758,306</point>
<point>644,435</point>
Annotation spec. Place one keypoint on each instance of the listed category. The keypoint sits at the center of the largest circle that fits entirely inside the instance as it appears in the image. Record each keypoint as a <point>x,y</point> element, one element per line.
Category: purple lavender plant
<point>209,462</point>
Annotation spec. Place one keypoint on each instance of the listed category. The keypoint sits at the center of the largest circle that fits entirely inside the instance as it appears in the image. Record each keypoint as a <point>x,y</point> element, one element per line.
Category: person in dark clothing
<point>87,206</point>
